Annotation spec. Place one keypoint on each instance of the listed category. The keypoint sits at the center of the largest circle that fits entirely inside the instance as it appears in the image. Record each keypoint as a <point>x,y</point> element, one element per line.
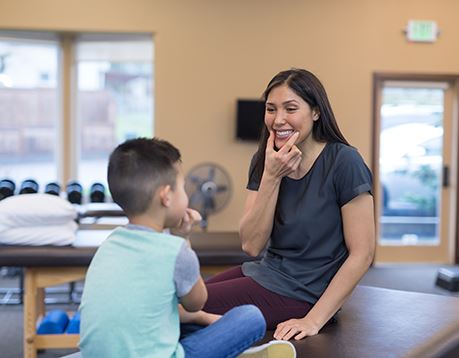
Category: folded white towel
<point>59,235</point>
<point>32,210</point>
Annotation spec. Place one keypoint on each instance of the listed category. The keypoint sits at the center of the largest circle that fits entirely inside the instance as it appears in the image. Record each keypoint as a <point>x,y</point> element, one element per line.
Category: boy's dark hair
<point>137,168</point>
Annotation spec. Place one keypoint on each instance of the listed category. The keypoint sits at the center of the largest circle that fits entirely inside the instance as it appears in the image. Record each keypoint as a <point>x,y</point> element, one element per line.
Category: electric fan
<point>208,186</point>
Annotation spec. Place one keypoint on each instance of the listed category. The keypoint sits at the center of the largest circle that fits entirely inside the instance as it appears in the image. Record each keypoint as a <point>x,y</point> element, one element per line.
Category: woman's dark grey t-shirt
<point>307,245</point>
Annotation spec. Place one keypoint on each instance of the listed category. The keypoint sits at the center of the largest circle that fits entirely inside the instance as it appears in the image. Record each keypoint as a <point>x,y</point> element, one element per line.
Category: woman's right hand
<point>257,222</point>
<point>283,162</point>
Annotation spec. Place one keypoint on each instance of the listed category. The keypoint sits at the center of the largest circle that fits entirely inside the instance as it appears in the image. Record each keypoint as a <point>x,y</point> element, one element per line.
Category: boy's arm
<point>202,318</point>
<point>195,299</point>
<point>190,287</point>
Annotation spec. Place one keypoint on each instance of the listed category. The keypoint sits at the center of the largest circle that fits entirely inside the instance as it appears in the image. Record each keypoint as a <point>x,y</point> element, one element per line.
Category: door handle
<point>445,177</point>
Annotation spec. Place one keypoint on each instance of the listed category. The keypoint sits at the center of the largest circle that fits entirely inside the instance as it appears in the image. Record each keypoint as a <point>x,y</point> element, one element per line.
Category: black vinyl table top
<point>380,323</point>
<point>211,248</point>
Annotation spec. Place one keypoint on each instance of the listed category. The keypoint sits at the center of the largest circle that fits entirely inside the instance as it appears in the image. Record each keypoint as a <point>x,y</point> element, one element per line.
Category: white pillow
<point>59,235</point>
<point>31,210</point>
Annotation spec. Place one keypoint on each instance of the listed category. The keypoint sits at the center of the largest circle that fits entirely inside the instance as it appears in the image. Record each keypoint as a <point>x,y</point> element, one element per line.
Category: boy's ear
<point>165,195</point>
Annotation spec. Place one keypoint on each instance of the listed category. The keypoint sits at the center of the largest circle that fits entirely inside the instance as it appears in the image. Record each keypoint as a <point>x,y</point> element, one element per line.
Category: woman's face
<point>287,113</point>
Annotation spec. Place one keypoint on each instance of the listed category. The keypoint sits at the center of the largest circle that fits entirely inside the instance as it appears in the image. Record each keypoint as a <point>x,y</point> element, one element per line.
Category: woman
<point>310,205</point>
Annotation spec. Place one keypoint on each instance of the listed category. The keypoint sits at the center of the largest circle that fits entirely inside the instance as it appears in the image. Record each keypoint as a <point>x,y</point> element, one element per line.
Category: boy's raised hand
<point>190,218</point>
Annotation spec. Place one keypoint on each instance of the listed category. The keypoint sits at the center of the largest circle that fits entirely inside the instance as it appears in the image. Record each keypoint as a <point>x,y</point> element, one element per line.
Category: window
<point>28,107</point>
<point>111,100</point>
<point>114,98</point>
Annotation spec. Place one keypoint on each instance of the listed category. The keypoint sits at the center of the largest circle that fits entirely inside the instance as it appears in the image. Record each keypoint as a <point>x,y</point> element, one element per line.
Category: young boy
<point>141,280</point>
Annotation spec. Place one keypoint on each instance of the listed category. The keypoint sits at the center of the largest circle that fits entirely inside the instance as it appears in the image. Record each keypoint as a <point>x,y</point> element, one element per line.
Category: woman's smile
<point>284,134</point>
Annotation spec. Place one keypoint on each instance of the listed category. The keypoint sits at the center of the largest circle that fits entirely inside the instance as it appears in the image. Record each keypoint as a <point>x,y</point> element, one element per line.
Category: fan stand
<point>203,223</point>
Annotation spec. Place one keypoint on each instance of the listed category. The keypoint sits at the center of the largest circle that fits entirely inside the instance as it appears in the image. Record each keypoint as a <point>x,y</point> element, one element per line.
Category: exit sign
<point>422,31</point>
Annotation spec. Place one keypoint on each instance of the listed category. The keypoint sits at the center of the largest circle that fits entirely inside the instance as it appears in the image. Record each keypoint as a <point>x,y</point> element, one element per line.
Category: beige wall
<point>208,53</point>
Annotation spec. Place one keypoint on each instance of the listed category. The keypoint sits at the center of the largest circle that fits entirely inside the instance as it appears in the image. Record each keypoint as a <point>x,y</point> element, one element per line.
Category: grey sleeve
<point>186,272</point>
<point>352,176</point>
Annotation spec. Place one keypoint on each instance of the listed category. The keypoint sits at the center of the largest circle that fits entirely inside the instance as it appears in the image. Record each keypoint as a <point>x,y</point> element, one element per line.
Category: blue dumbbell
<point>74,324</point>
<point>55,322</point>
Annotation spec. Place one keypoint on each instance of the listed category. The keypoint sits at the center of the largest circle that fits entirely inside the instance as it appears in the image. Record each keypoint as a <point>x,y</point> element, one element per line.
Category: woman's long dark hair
<point>310,89</point>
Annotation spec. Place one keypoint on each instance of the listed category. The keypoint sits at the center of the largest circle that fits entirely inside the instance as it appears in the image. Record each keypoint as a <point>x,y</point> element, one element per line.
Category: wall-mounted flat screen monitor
<point>250,119</point>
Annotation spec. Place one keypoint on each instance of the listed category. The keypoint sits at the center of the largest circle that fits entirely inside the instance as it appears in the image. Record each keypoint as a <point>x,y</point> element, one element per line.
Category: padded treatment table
<point>46,266</point>
<point>215,250</point>
<point>382,323</point>
<point>374,322</point>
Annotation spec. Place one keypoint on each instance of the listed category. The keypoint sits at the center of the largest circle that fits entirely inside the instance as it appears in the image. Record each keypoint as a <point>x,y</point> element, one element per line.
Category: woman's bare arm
<point>359,235</point>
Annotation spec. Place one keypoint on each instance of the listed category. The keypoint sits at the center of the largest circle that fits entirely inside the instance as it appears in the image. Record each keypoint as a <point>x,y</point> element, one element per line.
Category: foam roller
<point>55,322</point>
<point>53,189</point>
<point>7,188</point>
<point>29,186</point>
<point>74,192</point>
<point>97,193</point>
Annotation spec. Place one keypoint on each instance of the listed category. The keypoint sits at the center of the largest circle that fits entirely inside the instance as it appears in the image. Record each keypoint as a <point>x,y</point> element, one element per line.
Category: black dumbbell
<point>29,186</point>
<point>7,188</point>
<point>74,192</point>
<point>53,189</point>
<point>97,193</point>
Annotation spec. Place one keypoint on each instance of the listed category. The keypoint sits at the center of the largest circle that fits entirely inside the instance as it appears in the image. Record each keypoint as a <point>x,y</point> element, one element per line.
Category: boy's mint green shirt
<point>129,304</point>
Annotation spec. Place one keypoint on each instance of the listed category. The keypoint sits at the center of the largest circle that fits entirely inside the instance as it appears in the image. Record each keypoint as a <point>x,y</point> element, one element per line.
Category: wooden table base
<point>36,279</point>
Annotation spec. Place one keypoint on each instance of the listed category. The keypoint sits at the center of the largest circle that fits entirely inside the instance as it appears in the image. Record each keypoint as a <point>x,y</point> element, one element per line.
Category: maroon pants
<point>231,288</point>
